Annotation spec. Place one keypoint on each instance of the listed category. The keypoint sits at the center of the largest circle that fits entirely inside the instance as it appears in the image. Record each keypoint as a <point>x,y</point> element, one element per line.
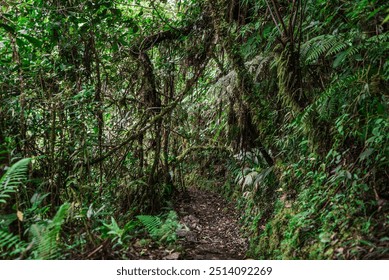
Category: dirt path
<point>212,230</point>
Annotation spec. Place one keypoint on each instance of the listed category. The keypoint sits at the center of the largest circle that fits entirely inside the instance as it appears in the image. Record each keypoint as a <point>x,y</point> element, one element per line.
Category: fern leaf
<point>10,245</point>
<point>45,236</point>
<point>14,176</point>
<point>323,45</point>
<point>151,223</point>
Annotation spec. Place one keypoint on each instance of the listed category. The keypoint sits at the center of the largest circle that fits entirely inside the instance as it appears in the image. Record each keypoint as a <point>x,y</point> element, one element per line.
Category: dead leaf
<point>20,215</point>
<point>340,250</point>
<point>173,256</point>
<point>182,232</point>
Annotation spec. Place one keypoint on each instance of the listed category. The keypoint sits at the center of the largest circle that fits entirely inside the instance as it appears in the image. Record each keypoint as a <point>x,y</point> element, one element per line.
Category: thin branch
<point>160,16</point>
<point>292,20</point>
<point>274,19</point>
<point>277,12</point>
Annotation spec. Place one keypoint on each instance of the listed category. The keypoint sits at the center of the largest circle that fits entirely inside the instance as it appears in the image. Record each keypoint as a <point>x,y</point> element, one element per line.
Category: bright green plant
<point>118,235</point>
<point>43,241</point>
<point>45,235</point>
<point>10,245</point>
<point>12,179</point>
<point>161,229</point>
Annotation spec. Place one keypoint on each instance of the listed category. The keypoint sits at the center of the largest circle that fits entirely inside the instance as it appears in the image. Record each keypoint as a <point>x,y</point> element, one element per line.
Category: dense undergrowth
<point>53,238</point>
<point>322,206</point>
<point>317,209</point>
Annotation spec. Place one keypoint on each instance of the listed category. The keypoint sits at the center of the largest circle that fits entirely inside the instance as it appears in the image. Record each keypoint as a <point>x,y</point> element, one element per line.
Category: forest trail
<point>213,227</point>
<point>210,230</point>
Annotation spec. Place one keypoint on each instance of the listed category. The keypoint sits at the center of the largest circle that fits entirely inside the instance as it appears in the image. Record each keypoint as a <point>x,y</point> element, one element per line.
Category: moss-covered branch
<point>200,148</point>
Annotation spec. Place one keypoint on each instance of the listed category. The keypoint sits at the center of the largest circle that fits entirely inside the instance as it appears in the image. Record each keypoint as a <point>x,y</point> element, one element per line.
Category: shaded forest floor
<point>210,230</point>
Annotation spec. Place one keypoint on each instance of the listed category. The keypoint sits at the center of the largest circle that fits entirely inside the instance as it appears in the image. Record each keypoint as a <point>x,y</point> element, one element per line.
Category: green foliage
<point>323,45</point>
<point>161,229</point>
<point>119,236</point>
<point>44,239</point>
<point>151,223</point>
<point>11,245</point>
<point>107,96</point>
<point>14,176</point>
<point>326,199</point>
<point>45,236</point>
<point>43,243</point>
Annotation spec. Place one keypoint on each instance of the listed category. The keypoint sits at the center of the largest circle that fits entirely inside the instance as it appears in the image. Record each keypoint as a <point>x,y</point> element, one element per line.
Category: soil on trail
<point>212,230</point>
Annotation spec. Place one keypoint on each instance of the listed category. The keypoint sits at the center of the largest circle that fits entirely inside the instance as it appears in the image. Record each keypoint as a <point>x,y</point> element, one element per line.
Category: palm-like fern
<point>14,176</point>
<point>161,230</point>
<point>342,46</point>
<point>151,223</point>
<point>327,44</point>
<point>45,236</point>
<point>10,245</point>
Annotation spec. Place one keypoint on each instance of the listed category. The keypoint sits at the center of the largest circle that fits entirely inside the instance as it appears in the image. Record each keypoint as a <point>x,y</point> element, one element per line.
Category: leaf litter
<point>210,230</point>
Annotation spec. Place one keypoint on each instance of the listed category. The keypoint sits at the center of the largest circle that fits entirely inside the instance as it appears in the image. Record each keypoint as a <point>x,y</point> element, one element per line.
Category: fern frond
<point>14,176</point>
<point>10,245</point>
<point>337,47</point>
<point>323,45</point>
<point>151,223</point>
<point>161,230</point>
<point>326,95</point>
<point>45,236</point>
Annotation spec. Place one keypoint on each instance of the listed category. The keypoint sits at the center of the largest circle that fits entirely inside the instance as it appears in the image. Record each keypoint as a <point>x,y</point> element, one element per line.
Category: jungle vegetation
<point>108,109</point>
